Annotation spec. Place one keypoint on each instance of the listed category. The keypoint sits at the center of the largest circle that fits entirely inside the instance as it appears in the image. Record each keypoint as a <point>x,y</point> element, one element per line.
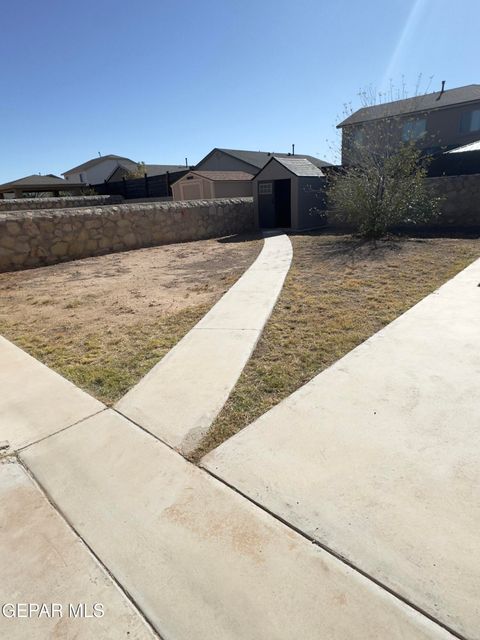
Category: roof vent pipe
<point>293,149</point>
<point>442,90</point>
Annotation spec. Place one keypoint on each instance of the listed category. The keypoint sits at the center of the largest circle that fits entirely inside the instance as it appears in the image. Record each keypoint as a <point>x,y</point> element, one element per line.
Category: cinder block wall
<point>32,204</point>
<point>34,238</point>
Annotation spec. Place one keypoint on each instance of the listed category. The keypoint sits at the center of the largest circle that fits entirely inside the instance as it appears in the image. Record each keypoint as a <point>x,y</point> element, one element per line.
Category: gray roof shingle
<point>159,169</point>
<point>260,158</point>
<point>227,176</point>
<point>37,180</point>
<point>300,166</point>
<point>426,102</point>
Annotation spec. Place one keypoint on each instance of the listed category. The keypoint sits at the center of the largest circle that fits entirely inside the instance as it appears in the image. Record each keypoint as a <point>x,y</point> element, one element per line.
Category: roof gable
<point>258,159</point>
<point>94,161</point>
<point>425,102</point>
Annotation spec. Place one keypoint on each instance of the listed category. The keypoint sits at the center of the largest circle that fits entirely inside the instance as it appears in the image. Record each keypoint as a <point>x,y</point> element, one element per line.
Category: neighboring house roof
<point>36,179</point>
<point>160,169</point>
<point>223,176</point>
<point>299,166</point>
<point>426,102</point>
<point>39,182</point>
<point>258,159</point>
<point>473,146</point>
<point>91,163</point>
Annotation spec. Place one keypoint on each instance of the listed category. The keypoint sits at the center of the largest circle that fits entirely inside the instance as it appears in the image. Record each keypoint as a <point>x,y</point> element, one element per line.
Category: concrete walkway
<point>34,400</point>
<point>377,458</point>
<point>178,400</point>
<point>43,561</point>
<point>198,559</point>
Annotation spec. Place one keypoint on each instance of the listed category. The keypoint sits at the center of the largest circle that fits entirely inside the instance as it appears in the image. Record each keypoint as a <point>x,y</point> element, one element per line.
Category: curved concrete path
<point>377,458</point>
<point>181,396</point>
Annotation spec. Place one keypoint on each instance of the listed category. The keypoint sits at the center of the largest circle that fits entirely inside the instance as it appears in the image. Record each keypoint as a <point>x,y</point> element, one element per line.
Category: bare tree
<point>383,184</point>
<point>138,172</point>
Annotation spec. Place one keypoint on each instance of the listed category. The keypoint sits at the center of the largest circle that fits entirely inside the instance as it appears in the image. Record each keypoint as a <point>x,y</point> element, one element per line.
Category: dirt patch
<point>339,291</point>
<point>104,321</point>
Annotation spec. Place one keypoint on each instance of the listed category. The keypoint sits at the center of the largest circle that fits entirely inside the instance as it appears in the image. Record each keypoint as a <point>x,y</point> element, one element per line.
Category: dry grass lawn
<point>338,293</point>
<point>104,322</point>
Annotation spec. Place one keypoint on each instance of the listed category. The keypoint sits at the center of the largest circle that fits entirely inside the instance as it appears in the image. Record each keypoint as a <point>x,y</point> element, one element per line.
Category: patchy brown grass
<point>339,292</point>
<point>104,322</point>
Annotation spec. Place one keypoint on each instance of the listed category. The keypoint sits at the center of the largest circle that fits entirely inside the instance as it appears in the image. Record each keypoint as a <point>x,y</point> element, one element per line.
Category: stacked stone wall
<point>33,204</point>
<point>34,238</point>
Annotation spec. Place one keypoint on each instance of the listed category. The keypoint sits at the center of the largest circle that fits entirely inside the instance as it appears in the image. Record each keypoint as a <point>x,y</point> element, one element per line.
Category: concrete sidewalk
<point>43,561</point>
<point>181,396</point>
<point>198,559</point>
<point>36,401</point>
<point>377,458</point>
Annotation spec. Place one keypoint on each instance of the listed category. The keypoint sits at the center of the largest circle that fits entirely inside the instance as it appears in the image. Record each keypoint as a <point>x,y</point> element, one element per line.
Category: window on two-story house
<point>358,136</point>
<point>470,121</point>
<point>414,129</point>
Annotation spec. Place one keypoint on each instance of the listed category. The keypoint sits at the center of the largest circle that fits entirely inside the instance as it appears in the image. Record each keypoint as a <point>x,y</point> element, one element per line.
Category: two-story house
<point>434,121</point>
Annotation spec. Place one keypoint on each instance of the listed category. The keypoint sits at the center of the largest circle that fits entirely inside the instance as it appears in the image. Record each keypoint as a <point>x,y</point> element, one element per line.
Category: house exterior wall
<point>235,188</point>
<point>220,161</point>
<point>96,174</point>
<point>442,130</point>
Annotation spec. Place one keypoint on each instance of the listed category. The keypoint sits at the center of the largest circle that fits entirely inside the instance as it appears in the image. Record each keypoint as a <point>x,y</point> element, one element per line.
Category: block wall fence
<point>461,205</point>
<point>34,238</point>
<point>32,204</point>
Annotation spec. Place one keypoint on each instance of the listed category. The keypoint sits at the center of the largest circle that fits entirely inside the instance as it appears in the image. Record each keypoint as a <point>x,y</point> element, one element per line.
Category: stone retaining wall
<point>32,204</point>
<point>33,238</point>
<point>461,205</point>
<point>460,208</point>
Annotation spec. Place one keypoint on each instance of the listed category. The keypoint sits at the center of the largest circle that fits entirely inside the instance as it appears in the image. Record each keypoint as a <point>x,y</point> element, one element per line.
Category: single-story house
<point>38,184</point>
<point>248,161</point>
<point>99,169</point>
<point>199,185</point>
<point>290,193</point>
<point>112,168</point>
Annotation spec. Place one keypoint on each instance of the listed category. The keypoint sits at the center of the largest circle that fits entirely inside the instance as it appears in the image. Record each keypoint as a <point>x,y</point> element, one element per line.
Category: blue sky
<point>158,81</point>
